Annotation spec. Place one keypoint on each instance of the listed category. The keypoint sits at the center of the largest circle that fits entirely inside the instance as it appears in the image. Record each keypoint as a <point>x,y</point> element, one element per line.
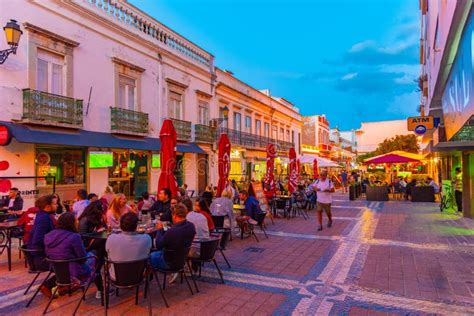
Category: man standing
<point>324,187</point>
<point>458,189</point>
<point>344,181</point>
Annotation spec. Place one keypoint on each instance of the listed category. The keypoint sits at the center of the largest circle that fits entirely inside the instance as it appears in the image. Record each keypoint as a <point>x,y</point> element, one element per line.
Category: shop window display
<point>66,165</point>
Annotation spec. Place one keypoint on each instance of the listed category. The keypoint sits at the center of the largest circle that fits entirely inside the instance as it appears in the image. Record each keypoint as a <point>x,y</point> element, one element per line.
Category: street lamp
<point>225,115</point>
<point>13,33</point>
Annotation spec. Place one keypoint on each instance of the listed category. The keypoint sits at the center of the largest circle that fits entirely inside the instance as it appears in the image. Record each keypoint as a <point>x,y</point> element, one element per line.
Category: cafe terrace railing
<point>138,22</point>
<point>251,140</point>
<point>51,109</point>
<point>204,133</point>
<point>123,121</point>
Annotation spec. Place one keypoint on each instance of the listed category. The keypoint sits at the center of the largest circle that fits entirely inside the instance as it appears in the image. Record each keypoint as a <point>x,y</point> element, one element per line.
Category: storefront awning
<point>82,138</point>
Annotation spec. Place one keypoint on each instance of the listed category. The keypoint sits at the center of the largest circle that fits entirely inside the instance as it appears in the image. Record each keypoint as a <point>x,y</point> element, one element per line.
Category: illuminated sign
<point>416,123</point>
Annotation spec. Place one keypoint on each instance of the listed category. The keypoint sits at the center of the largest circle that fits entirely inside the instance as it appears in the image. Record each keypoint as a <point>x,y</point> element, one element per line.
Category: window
<point>274,132</point>
<point>225,123</point>
<point>266,130</point>
<point>175,105</point>
<point>66,165</point>
<point>127,93</point>
<point>436,39</point>
<point>282,133</point>
<point>293,137</point>
<point>203,112</point>
<point>237,121</point>
<point>50,72</point>
<point>248,124</point>
<point>258,127</point>
<point>287,135</point>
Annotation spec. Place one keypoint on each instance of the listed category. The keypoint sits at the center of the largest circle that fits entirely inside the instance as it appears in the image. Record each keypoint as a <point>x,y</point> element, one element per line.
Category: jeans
<point>157,260</point>
<point>458,198</point>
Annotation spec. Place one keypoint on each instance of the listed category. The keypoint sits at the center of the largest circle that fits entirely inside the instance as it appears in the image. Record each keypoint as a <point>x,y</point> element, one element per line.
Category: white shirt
<point>11,202</point>
<point>200,224</point>
<point>323,197</point>
<point>79,206</point>
<point>435,186</point>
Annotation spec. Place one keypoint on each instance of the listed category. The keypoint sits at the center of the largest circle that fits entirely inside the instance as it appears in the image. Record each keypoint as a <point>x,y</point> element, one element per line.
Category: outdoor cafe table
<point>103,235</point>
<point>8,227</point>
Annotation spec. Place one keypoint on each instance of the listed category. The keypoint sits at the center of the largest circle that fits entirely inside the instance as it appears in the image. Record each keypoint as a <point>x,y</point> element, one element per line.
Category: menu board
<point>256,189</point>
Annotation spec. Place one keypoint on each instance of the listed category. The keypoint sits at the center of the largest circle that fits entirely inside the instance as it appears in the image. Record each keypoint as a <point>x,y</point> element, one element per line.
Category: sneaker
<point>330,224</point>
<point>98,295</point>
<point>320,228</point>
<point>173,278</point>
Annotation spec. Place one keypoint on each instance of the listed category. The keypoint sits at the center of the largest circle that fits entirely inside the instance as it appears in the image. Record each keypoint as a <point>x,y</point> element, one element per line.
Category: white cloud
<point>406,104</point>
<point>361,46</point>
<point>349,76</point>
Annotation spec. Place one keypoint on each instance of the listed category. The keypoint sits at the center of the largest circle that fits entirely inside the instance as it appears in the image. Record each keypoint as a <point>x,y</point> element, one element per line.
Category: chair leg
<point>192,276</point>
<point>31,284</point>
<point>161,289</point>
<point>254,235</point>
<point>164,281</point>
<point>264,231</point>
<point>225,258</point>
<point>149,298</point>
<point>187,281</point>
<point>219,270</point>
<point>83,294</point>
<point>50,300</point>
<point>136,295</point>
<point>38,289</point>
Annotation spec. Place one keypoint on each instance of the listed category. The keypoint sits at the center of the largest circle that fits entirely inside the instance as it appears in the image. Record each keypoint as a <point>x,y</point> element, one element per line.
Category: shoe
<point>98,295</point>
<point>46,291</point>
<point>330,224</point>
<point>320,228</point>
<point>173,278</point>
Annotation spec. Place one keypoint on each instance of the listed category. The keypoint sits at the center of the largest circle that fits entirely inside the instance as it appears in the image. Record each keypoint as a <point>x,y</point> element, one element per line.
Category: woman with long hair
<point>92,218</point>
<point>117,208</point>
<point>202,207</point>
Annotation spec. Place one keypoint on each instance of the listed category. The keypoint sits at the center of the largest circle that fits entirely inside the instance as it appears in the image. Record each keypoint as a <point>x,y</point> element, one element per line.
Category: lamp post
<point>13,33</point>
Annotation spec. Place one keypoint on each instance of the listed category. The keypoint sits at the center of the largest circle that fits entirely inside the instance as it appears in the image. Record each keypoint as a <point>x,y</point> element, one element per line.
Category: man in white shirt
<point>202,231</point>
<point>81,202</point>
<point>324,188</point>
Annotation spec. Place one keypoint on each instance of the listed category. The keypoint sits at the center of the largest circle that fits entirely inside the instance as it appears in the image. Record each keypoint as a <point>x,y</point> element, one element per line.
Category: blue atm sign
<point>420,124</point>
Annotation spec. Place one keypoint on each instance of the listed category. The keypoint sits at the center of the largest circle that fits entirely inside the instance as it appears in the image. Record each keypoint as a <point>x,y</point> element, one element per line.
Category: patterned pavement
<point>379,258</point>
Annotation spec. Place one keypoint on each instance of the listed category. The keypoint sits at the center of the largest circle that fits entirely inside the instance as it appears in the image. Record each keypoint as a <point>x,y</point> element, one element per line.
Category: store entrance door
<point>140,173</point>
<point>203,171</point>
<point>178,170</point>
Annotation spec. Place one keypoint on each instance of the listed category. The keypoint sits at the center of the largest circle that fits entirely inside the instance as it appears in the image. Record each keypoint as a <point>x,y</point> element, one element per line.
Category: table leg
<point>9,249</point>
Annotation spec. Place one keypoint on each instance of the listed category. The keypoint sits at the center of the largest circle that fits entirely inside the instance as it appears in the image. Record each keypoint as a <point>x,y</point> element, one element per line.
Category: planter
<point>422,194</point>
<point>379,193</point>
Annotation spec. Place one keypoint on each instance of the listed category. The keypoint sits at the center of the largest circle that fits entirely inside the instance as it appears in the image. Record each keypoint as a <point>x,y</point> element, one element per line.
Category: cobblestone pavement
<point>392,258</point>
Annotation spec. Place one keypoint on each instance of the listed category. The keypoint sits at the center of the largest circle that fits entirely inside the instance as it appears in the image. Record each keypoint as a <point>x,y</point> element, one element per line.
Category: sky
<point>352,60</point>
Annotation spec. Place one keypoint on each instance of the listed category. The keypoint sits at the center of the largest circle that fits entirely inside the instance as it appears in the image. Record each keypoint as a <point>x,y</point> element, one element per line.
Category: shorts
<point>326,207</point>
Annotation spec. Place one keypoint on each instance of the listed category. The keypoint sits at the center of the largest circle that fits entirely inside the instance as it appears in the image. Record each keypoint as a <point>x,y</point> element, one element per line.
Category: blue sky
<point>353,60</point>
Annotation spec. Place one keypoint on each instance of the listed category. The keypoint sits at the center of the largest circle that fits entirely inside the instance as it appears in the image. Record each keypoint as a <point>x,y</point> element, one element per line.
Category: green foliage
<point>406,143</point>
<point>360,159</point>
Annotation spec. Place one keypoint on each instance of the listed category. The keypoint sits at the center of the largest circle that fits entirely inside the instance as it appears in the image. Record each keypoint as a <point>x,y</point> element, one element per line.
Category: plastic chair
<point>260,223</point>
<point>33,269</point>
<point>176,264</point>
<point>208,250</point>
<point>63,279</point>
<point>128,275</point>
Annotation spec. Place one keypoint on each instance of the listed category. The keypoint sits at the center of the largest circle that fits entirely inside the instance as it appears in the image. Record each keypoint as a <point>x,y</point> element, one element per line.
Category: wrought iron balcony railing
<point>124,121</point>
<point>253,141</point>
<point>183,129</point>
<point>204,133</point>
<point>51,109</point>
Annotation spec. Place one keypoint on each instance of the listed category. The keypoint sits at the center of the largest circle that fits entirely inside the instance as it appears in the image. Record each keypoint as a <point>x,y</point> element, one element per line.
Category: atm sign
<point>416,121</point>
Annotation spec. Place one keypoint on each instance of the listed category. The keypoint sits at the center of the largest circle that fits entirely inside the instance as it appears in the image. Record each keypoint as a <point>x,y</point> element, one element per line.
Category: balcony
<point>129,122</point>
<point>204,133</point>
<point>253,141</point>
<point>51,109</point>
<point>183,129</point>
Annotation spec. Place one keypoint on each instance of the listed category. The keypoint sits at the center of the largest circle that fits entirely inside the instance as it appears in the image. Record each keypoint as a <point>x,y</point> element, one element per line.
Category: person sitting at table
<point>61,207</point>
<point>117,208</point>
<point>81,202</point>
<point>128,245</point>
<point>252,209</point>
<point>65,243</point>
<point>409,188</point>
<point>433,184</point>
<point>299,195</point>
<point>91,219</point>
<point>177,238</point>
<point>146,203</point>
<point>26,221</point>
<point>108,194</point>
<point>208,195</point>
<point>200,223</point>
<point>13,204</point>
<point>201,207</point>
<point>223,206</point>
<point>43,222</point>
<point>162,206</point>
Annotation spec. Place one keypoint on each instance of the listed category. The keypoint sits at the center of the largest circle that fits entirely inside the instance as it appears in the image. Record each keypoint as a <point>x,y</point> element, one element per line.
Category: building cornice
<point>36,29</point>
<point>127,64</point>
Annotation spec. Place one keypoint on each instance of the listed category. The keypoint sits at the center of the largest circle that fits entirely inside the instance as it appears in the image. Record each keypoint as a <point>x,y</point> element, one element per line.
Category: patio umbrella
<point>315,169</point>
<point>396,156</point>
<point>168,158</point>
<point>293,174</point>
<point>223,163</point>
<point>269,177</point>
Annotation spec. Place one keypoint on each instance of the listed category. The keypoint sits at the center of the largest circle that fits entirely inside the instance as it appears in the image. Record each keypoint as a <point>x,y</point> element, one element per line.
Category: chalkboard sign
<point>256,190</point>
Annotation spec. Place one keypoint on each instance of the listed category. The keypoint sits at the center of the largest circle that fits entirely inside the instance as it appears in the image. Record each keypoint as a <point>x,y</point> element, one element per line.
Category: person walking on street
<point>458,189</point>
<point>324,188</point>
<point>344,181</point>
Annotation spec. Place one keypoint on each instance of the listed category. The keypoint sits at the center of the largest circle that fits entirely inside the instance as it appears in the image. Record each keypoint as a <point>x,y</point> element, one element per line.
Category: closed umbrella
<point>269,176</point>
<point>168,158</point>
<point>293,174</point>
<point>223,163</point>
<point>315,169</point>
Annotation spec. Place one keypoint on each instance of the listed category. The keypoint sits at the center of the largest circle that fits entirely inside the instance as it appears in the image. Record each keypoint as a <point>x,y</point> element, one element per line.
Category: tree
<point>406,143</point>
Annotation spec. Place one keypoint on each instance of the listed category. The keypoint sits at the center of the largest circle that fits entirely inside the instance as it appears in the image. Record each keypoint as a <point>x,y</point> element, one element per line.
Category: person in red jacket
<point>26,222</point>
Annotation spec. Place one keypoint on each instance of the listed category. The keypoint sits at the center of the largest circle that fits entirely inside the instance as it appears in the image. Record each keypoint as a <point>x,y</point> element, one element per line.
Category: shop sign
<point>43,158</point>
<point>420,124</point>
<point>5,135</point>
